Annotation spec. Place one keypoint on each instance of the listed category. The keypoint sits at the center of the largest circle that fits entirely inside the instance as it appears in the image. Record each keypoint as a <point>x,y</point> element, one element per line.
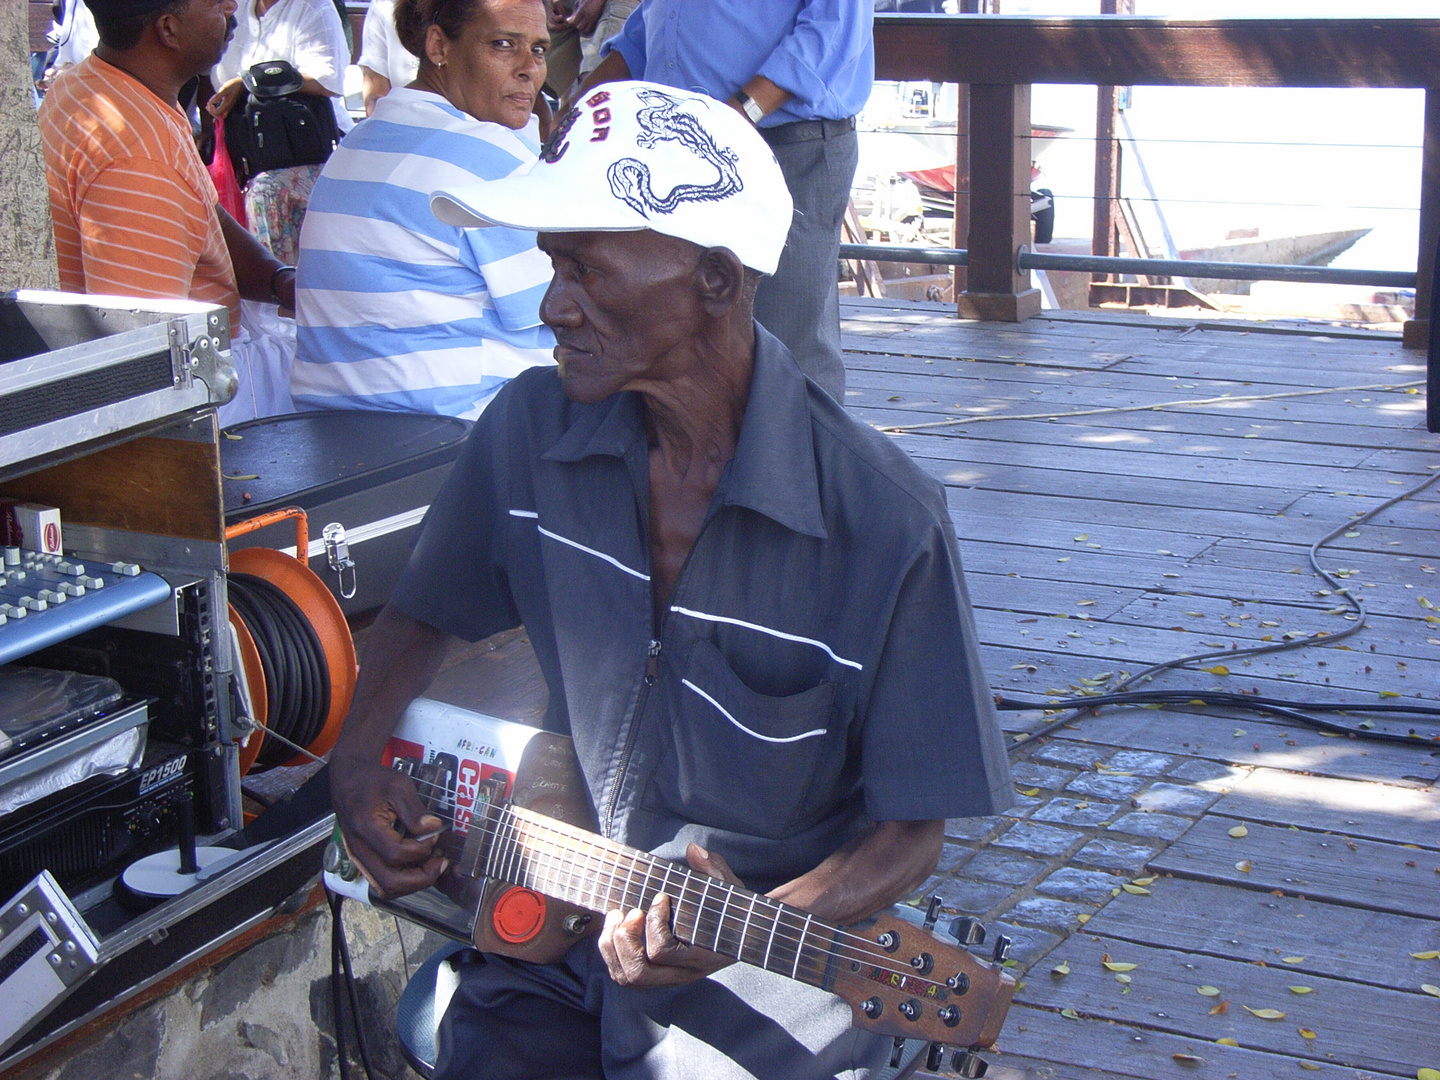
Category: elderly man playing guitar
<point>748,608</point>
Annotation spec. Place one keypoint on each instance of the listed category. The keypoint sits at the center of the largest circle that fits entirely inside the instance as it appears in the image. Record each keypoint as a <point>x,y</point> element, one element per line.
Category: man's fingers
<point>709,862</point>
<point>388,879</point>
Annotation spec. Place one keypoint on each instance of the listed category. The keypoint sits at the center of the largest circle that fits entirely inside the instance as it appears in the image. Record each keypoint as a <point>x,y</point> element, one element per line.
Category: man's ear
<point>721,277</point>
<point>437,45</point>
<point>167,31</point>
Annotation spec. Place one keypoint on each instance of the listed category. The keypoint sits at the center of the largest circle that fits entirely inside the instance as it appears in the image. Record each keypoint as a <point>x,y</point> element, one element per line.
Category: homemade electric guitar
<point>535,877</point>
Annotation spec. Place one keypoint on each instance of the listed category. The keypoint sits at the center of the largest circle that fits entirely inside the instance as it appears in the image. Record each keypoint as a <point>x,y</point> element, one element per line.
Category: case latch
<point>337,554</point>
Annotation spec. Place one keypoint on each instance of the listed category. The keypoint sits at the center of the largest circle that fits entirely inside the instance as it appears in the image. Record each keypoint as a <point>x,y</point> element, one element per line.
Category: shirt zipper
<point>652,672</point>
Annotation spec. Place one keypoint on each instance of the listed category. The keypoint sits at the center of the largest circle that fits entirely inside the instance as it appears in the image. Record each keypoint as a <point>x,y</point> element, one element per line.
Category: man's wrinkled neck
<point>157,78</point>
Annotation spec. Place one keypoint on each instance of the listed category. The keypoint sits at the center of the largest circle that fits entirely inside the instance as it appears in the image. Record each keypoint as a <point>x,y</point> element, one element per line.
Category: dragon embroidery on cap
<point>662,120</point>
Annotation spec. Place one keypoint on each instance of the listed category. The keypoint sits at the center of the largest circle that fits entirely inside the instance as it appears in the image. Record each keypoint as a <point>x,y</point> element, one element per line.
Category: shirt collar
<point>773,472</point>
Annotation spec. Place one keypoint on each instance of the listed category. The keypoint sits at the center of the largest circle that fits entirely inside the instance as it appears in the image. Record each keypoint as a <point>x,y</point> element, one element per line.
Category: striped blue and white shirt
<point>396,310</point>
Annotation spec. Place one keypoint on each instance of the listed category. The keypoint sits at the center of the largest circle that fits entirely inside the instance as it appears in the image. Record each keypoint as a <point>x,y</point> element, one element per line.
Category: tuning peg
<point>896,1051</point>
<point>934,1056</point>
<point>1002,949</point>
<point>969,1064</point>
<point>968,931</point>
<point>932,912</point>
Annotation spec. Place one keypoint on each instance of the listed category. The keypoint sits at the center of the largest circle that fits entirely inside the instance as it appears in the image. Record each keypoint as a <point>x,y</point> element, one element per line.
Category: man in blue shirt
<point>800,70</point>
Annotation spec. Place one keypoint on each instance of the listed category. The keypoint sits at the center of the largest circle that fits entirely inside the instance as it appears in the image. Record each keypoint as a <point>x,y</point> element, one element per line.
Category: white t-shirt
<point>307,33</point>
<point>380,48</point>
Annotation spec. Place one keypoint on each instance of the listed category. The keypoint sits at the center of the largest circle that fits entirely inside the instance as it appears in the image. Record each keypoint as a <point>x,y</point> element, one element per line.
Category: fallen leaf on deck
<point>1065,559</point>
<point>1309,1066</point>
<point>1300,990</point>
<point>1238,831</point>
<point>1430,955</point>
<point>1306,1033</point>
<point>1243,866</point>
<point>1218,669</point>
<point>1070,1014</point>
<point>1082,537</point>
<point>1082,919</point>
<point>1388,693</point>
<point>1145,880</point>
<point>1239,731</point>
<point>1135,889</point>
<point>1115,965</point>
<point>1264,1014</point>
<point>1188,1059</point>
<point>1433,991</point>
<point>1063,968</point>
<point>1428,1074</point>
<point>256,476</point>
<point>1226,1042</point>
<point>1220,1009</point>
<point>1425,604</point>
<point>1028,791</point>
<point>1208,991</point>
<point>1292,959</point>
<point>1123,979</point>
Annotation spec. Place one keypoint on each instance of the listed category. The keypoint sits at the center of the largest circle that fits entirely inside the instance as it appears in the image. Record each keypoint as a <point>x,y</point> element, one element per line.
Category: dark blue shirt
<point>817,667</point>
<point>822,51</point>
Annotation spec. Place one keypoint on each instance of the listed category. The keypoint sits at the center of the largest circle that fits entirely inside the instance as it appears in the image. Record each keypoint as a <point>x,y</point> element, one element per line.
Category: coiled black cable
<point>297,675</point>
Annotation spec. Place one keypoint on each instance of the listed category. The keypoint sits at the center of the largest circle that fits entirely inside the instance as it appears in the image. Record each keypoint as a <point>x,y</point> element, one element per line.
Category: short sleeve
<point>374,52</point>
<point>455,580</point>
<point>141,230</point>
<point>320,50</point>
<point>931,743</point>
<point>515,271</point>
<point>630,43</point>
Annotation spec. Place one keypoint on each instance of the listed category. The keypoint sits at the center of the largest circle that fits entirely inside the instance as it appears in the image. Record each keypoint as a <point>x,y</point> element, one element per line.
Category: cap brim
<point>531,201</point>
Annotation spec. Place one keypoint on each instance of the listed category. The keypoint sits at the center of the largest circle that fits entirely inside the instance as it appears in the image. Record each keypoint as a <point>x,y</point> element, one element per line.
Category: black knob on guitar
<point>889,941</point>
<point>872,1007</point>
<point>923,963</point>
<point>969,1064</point>
<point>959,983</point>
<point>968,931</point>
<point>910,1009</point>
<point>950,1015</point>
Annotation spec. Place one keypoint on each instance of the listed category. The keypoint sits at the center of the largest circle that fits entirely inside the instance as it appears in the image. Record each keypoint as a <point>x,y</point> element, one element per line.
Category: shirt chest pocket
<point>748,762</point>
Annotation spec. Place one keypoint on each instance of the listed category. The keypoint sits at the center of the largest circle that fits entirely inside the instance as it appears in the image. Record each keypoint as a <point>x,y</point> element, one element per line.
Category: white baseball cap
<point>636,155</point>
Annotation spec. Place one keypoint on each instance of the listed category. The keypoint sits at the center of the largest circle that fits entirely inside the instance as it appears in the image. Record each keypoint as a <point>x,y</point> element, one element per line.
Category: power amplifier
<point>85,833</point>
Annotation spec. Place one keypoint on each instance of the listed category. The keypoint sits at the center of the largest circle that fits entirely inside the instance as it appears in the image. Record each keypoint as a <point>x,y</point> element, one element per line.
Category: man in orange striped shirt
<point>134,209</point>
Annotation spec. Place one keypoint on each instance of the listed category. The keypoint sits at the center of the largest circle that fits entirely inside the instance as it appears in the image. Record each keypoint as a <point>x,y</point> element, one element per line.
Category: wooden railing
<point>999,57</point>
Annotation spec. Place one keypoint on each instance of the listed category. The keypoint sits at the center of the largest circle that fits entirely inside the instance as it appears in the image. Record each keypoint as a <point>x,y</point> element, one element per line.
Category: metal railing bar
<point>1109,264</point>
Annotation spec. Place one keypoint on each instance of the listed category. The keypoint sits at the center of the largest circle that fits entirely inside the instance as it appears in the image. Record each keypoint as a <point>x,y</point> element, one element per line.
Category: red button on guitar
<point>519,914</point>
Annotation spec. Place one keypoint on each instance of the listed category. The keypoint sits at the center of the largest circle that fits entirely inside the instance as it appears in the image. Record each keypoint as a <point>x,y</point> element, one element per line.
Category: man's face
<point>622,305</point>
<point>204,28</point>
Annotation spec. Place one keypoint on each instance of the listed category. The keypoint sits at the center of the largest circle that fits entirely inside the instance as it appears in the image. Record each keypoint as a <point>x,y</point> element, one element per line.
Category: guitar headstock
<point>906,981</point>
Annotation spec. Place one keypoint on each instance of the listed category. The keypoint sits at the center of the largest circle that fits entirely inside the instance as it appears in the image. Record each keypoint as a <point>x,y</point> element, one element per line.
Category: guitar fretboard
<point>582,868</point>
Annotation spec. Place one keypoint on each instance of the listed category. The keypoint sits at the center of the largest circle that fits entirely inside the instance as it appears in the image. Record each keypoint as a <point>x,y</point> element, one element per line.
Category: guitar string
<point>515,838</point>
<point>848,945</point>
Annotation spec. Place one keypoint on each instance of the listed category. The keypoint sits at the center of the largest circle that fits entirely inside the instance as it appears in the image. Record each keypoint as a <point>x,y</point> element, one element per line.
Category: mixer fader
<point>47,598</point>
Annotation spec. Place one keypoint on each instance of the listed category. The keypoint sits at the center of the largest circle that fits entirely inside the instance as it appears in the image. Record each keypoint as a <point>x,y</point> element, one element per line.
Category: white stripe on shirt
<point>772,632</point>
<point>591,551</point>
<point>764,738</point>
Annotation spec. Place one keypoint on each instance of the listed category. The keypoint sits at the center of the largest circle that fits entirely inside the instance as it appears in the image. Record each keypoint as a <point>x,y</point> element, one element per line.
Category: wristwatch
<point>750,107</point>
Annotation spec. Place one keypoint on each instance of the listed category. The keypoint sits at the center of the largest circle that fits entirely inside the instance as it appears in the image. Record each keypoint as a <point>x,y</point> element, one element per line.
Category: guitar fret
<point>770,942</point>
<point>800,947</point>
<point>745,929</point>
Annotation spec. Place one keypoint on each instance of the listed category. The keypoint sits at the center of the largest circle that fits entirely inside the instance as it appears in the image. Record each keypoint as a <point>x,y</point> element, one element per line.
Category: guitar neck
<point>582,868</point>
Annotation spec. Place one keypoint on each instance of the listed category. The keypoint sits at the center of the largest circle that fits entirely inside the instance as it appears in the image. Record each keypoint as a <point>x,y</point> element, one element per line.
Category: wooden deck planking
<point>1325,866</point>
<point>1330,940</point>
<point>1364,1026</point>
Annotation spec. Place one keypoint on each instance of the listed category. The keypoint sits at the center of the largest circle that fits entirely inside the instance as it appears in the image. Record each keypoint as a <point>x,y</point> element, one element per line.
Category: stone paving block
<point>1199,771</point>
<point>1011,867</point>
<point>979,829</point>
<point>1028,774</point>
<point>1110,854</point>
<point>1141,762</point>
<point>1049,914</point>
<point>1072,883</point>
<point>1040,839</point>
<point>1080,755</point>
<point>1105,787</point>
<point>952,855</point>
<point>1080,812</point>
<point>961,895</point>
<point>1176,799</point>
<point>1021,806</point>
<point>1161,826</point>
<point>1027,944</point>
